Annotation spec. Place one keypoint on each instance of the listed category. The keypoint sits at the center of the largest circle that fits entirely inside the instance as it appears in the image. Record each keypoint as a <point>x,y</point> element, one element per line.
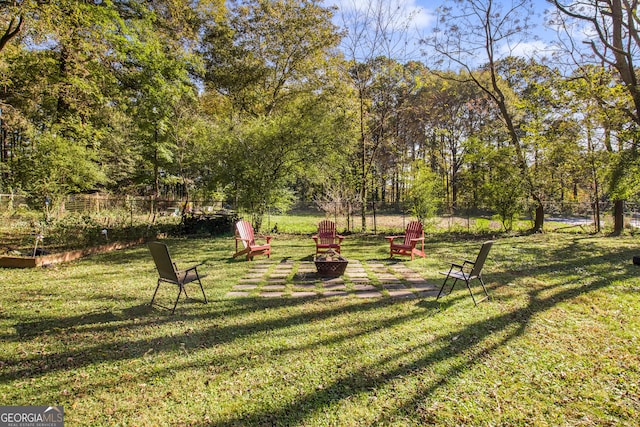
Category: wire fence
<point>100,203</point>
<point>577,213</point>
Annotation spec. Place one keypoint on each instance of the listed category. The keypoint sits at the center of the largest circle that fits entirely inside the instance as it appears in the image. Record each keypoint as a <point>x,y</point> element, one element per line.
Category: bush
<point>213,225</point>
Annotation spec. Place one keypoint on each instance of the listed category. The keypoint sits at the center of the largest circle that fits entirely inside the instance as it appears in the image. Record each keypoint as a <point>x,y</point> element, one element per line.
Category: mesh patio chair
<point>468,271</point>
<point>169,273</point>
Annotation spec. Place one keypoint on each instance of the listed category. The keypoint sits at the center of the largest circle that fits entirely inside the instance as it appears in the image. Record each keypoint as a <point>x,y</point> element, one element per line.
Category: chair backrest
<point>413,231</point>
<point>482,257</point>
<point>244,230</point>
<point>326,231</point>
<point>160,254</point>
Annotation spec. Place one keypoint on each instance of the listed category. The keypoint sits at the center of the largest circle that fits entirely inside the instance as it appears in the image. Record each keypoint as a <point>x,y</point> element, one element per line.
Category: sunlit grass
<point>556,345</point>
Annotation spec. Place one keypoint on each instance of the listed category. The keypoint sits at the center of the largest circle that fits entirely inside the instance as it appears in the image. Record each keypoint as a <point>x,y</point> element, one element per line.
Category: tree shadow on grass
<point>471,344</point>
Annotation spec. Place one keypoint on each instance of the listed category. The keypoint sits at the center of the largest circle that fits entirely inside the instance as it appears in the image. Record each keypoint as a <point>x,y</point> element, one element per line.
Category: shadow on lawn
<point>465,344</point>
<point>471,345</point>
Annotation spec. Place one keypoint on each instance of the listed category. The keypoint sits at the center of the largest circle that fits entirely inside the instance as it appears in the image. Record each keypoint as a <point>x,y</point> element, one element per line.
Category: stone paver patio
<point>362,279</point>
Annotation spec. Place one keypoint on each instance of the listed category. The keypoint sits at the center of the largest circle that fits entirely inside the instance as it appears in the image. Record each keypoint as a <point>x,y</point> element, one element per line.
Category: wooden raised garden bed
<point>44,260</point>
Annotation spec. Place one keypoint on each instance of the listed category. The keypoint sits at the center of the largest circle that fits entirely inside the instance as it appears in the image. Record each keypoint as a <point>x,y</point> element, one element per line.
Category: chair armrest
<point>268,238</point>
<point>340,238</point>
<point>390,238</point>
<point>315,238</point>
<point>193,267</point>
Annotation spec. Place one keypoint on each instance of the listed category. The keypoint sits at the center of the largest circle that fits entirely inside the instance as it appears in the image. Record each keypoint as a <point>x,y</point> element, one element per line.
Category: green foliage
<point>60,166</point>
<point>425,194</point>
<point>505,189</point>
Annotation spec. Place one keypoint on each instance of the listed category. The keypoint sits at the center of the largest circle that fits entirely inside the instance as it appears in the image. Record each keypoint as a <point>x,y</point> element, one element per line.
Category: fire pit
<point>330,264</point>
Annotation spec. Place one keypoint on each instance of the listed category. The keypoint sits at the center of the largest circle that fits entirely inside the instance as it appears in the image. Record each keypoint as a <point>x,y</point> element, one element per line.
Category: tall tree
<point>471,34</point>
<point>615,24</point>
<point>376,33</point>
<point>274,63</point>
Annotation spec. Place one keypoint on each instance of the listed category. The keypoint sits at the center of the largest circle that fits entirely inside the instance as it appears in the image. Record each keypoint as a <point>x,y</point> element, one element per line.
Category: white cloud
<point>532,49</point>
<point>407,12</point>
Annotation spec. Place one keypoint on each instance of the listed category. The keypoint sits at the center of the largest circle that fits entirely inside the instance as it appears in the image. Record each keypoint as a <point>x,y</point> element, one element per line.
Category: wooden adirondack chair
<point>245,234</point>
<point>327,238</point>
<point>413,234</point>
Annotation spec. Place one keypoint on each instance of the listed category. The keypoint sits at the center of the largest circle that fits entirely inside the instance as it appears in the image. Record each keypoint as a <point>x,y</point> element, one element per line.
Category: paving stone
<point>424,287</point>
<point>333,281</point>
<point>241,286</point>
<point>335,294</point>
<point>304,277</point>
<point>334,287</point>
<point>304,285</point>
<point>428,294</point>
<point>263,263</point>
<point>363,274</point>
<point>254,274</point>
<point>415,279</point>
<point>397,280</point>
<point>368,294</point>
<point>400,267</point>
<point>393,286</point>
<point>271,294</point>
<point>303,294</point>
<point>391,280</point>
<point>377,266</point>
<point>278,276</point>
<point>402,294</point>
<point>364,287</point>
<point>235,294</point>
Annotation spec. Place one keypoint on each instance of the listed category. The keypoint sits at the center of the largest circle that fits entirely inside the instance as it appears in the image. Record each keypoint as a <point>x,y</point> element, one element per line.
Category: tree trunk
<point>539,218</point>
<point>618,217</point>
<point>363,210</point>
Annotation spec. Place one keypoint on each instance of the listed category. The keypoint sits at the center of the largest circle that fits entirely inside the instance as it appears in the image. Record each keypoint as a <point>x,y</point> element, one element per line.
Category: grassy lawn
<point>558,343</point>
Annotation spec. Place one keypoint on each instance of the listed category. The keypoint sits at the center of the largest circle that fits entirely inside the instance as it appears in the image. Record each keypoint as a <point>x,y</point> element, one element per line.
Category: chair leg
<point>484,288</point>
<point>203,294</point>
<point>180,289</point>
<point>470,292</point>
<point>444,284</point>
<point>486,294</point>
<point>154,293</point>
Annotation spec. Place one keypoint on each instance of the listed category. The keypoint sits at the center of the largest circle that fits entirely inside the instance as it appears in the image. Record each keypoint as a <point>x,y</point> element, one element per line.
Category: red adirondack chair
<point>413,234</point>
<point>327,238</point>
<point>245,234</point>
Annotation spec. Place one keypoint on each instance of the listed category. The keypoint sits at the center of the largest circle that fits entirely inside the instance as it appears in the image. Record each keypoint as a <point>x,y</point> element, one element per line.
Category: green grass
<point>556,345</point>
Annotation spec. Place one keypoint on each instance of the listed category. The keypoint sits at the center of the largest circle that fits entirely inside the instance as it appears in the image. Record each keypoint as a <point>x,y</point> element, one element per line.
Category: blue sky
<point>422,15</point>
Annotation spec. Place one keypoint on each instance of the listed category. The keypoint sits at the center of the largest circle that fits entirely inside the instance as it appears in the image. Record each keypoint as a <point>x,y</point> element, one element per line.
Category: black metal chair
<point>169,273</point>
<point>468,271</point>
